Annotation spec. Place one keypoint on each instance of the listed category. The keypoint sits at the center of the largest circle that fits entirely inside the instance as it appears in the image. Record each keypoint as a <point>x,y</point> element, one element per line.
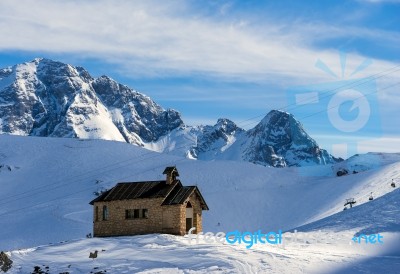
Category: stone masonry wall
<point>117,225</point>
<point>161,219</point>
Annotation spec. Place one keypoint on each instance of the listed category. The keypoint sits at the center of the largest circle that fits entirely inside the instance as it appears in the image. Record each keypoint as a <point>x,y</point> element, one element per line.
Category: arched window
<point>105,213</point>
<point>189,216</point>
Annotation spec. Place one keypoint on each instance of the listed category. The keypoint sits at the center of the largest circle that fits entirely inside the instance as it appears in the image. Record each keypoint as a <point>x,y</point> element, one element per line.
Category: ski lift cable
<point>384,73</point>
<point>81,177</point>
<point>62,183</point>
<point>322,111</point>
<point>80,191</point>
<point>104,169</point>
<point>376,190</point>
<point>326,93</point>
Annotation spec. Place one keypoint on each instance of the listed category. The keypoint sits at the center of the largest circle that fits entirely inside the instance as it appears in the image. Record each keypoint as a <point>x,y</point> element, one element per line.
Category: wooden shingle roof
<point>173,193</point>
<point>179,195</point>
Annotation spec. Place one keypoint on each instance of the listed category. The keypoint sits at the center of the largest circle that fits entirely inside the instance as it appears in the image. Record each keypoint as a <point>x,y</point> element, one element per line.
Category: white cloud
<point>380,1</point>
<point>148,38</point>
<point>386,144</point>
<point>342,146</point>
<point>151,38</point>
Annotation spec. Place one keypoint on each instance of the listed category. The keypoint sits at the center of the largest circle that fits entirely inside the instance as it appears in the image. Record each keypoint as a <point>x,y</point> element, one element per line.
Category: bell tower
<point>171,173</point>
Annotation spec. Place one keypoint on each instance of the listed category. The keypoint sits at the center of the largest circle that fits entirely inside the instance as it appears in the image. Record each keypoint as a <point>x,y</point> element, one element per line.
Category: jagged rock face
<point>213,140</point>
<point>135,112</point>
<point>280,140</point>
<point>48,98</point>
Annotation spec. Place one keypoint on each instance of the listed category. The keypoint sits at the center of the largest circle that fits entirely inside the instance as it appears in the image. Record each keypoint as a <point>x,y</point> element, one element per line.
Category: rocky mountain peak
<point>50,98</point>
<point>226,126</point>
<point>282,128</point>
<point>280,139</point>
<point>213,140</point>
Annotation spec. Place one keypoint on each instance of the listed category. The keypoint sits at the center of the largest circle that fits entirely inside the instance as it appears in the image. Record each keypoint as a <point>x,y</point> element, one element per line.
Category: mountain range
<point>49,98</point>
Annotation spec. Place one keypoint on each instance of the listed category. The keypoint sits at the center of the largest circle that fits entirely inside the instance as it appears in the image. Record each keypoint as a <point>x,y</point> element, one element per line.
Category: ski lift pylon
<point>350,202</point>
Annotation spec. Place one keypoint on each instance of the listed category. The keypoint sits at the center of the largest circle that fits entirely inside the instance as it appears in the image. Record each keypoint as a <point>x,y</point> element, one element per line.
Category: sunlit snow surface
<point>46,185</point>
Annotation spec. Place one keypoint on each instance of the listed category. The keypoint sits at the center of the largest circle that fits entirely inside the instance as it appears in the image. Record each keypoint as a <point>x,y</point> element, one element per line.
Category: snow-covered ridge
<point>53,99</point>
<point>49,98</point>
<point>55,178</point>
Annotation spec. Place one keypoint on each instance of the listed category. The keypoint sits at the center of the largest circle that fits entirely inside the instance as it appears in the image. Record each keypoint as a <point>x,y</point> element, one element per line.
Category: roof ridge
<point>159,181</point>
<point>177,182</point>
<point>109,192</point>
<point>170,194</point>
<point>176,194</point>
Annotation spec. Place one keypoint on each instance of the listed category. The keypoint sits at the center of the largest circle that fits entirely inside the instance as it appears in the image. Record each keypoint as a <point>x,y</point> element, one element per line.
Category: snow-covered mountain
<point>49,98</point>
<point>214,140</point>
<point>278,140</point>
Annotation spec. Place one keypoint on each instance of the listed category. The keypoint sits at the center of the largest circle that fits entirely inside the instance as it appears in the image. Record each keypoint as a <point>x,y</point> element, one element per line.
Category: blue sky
<point>233,59</point>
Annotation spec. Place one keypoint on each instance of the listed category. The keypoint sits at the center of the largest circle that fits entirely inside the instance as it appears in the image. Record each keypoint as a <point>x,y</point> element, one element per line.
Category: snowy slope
<point>199,142</point>
<point>180,142</point>
<point>45,196</point>
<point>380,215</point>
<point>325,246</point>
<point>47,183</point>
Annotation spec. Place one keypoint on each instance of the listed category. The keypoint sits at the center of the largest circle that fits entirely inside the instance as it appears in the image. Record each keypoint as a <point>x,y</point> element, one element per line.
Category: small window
<point>128,214</point>
<point>136,213</point>
<point>132,214</point>
<point>105,213</point>
<point>145,213</point>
